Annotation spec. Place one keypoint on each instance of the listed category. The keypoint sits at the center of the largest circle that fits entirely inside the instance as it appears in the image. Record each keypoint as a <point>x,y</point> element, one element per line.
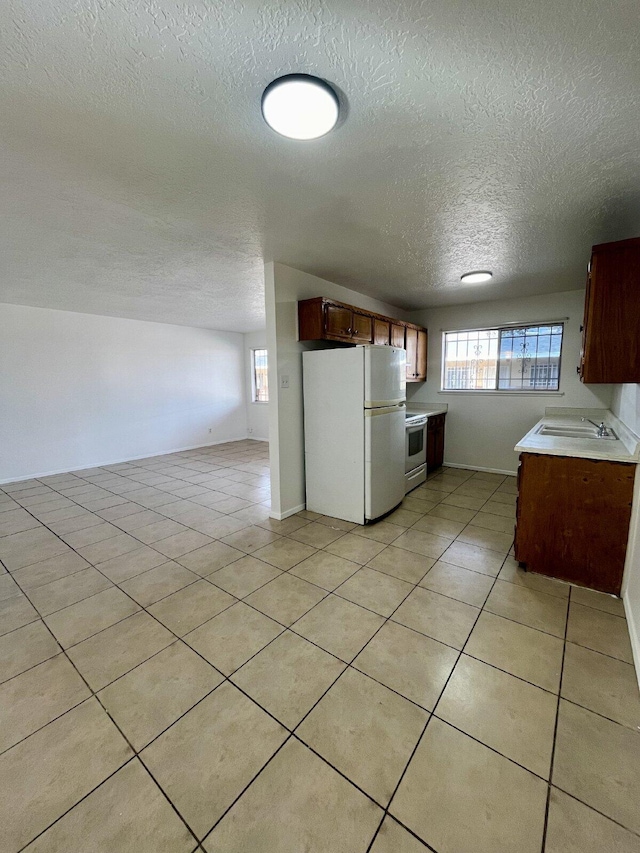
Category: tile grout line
<point>293,734</point>
<point>350,664</point>
<point>225,678</point>
<point>422,734</point>
<point>94,695</point>
<point>555,729</point>
<point>249,554</point>
<point>168,559</point>
<point>122,531</point>
<point>207,578</point>
<point>94,565</point>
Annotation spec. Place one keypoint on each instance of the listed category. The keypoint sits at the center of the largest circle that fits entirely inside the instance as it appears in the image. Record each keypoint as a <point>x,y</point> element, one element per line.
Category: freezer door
<point>384,483</point>
<point>385,376</point>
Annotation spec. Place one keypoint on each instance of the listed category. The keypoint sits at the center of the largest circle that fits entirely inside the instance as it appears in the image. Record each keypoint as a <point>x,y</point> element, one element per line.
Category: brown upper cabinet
<point>397,335</point>
<point>421,357</point>
<point>382,332</point>
<point>416,347</point>
<point>327,320</point>
<point>343,324</point>
<point>411,346</point>
<point>611,329</point>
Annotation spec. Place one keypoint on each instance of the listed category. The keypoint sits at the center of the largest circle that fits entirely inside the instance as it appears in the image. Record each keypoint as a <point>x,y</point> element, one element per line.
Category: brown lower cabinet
<point>435,442</point>
<point>572,519</point>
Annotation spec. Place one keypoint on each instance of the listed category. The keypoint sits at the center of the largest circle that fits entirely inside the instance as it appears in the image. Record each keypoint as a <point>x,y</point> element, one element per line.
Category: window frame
<point>254,392</point>
<point>497,390</point>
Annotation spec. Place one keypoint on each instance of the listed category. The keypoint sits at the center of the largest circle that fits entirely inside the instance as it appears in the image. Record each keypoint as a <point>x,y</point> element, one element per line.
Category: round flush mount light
<point>476,277</point>
<point>300,106</point>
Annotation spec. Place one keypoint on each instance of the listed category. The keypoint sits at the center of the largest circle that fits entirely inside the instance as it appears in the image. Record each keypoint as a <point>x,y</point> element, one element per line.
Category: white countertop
<point>426,409</point>
<point>626,448</point>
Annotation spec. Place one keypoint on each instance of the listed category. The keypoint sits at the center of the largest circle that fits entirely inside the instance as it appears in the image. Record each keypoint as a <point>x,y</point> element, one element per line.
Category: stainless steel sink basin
<point>575,431</point>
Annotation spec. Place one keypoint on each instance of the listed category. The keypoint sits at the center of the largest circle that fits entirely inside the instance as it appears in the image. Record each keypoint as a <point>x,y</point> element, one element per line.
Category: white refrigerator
<point>354,429</point>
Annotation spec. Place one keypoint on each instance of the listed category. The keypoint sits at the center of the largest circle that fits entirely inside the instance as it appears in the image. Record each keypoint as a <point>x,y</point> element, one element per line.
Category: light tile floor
<point>179,672</point>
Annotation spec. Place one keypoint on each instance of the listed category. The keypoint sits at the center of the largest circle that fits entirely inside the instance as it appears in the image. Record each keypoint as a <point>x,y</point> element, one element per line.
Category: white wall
<point>78,390</point>
<point>284,286</point>
<point>257,413</point>
<point>482,429</point>
<point>626,405</point>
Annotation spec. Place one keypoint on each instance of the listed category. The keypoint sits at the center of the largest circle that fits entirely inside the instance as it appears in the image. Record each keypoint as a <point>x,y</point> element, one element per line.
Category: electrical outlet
<point>209,429</point>
<point>284,381</point>
<point>250,430</point>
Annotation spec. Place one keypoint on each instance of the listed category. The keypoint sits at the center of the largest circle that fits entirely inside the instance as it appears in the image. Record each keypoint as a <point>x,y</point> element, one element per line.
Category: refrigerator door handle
<point>383,410</point>
<point>376,404</point>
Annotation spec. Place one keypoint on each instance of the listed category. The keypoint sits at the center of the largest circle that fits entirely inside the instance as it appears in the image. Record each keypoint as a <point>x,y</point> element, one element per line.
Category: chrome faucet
<point>603,432</point>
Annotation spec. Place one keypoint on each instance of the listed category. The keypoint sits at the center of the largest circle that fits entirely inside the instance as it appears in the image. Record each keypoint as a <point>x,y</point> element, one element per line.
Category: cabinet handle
<point>578,370</point>
<point>582,328</point>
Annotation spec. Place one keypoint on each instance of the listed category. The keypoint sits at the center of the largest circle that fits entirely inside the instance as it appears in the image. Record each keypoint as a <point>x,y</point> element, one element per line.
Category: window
<point>523,358</point>
<point>260,378</point>
<point>544,376</point>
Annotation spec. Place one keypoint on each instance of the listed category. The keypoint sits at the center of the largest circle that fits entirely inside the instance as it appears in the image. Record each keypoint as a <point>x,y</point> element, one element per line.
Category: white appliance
<point>415,456</point>
<point>354,414</point>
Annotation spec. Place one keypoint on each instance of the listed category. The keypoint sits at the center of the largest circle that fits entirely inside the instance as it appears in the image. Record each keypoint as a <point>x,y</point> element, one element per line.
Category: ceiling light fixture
<point>476,277</point>
<point>299,106</point>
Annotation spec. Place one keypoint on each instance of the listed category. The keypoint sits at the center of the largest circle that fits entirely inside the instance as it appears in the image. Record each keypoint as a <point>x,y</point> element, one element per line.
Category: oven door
<point>415,446</point>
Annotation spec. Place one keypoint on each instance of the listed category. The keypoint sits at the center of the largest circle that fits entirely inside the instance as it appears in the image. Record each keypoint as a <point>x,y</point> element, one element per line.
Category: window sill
<point>259,402</point>
<point>507,393</point>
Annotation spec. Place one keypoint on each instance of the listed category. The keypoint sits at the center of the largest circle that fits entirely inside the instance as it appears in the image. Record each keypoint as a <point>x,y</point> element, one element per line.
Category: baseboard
<point>634,634</point>
<point>256,438</point>
<point>477,468</point>
<point>119,461</point>
<point>280,516</point>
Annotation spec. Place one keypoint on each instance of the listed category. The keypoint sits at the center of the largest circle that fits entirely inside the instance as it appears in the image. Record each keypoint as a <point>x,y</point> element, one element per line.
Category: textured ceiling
<point>139,179</point>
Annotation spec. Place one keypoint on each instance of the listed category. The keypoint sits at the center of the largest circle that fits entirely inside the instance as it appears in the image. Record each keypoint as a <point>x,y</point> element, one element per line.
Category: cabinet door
<point>431,450</point>
<point>612,315</point>
<point>362,328</point>
<point>421,357</point>
<point>440,446</point>
<point>397,336</point>
<point>337,322</point>
<point>585,323</point>
<point>435,442</point>
<point>411,346</point>
<point>310,320</point>
<point>381,332</point>
<point>573,518</point>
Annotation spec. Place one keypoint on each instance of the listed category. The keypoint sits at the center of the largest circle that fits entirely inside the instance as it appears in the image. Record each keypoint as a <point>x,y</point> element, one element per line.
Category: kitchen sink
<point>575,431</point>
